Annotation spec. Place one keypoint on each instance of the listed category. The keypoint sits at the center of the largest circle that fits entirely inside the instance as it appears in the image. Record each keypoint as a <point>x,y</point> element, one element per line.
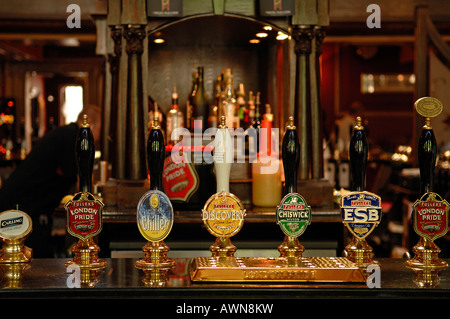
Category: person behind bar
<point>44,177</point>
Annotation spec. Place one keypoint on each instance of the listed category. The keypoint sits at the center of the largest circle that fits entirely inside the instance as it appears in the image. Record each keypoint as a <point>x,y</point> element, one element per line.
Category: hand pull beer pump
<point>154,211</point>
<point>84,210</point>
<point>430,212</point>
<point>223,213</point>
<point>292,204</point>
<point>360,210</point>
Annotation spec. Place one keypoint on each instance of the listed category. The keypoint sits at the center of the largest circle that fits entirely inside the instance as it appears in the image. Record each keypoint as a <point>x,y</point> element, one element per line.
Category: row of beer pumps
<point>224,214</point>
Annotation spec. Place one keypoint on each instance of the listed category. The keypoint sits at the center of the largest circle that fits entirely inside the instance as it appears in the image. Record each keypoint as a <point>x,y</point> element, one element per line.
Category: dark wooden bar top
<point>49,278</point>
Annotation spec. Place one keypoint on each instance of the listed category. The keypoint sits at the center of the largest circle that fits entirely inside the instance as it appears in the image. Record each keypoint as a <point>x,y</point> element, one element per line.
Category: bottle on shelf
<point>256,124</point>
<point>249,111</point>
<point>268,115</point>
<point>251,139</point>
<point>218,92</point>
<point>200,103</point>
<point>189,100</point>
<point>228,103</point>
<point>175,118</point>
<point>241,105</point>
<point>266,170</point>
<point>257,120</point>
<point>214,112</point>
<point>267,144</point>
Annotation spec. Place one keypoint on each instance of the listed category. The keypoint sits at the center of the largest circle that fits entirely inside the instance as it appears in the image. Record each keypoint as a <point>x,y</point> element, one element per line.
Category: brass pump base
<point>156,277</point>
<point>14,251</point>
<point>426,256</point>
<point>155,256</point>
<point>12,273</point>
<point>359,252</point>
<point>426,278</point>
<point>222,247</point>
<point>86,255</point>
<point>291,247</point>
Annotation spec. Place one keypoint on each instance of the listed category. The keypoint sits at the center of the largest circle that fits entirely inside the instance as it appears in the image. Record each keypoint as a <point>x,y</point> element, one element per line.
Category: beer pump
<point>154,211</point>
<point>223,213</point>
<point>360,209</point>
<point>292,204</point>
<point>84,210</point>
<point>430,212</point>
<point>16,226</point>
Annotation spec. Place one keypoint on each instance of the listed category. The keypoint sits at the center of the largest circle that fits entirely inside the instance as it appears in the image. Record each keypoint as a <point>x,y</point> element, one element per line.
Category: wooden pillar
<point>134,21</point>
<point>103,48</point>
<point>308,32</point>
<point>316,107</point>
<point>115,141</point>
<point>135,163</point>
<point>127,20</point>
<point>116,123</point>
<point>302,36</point>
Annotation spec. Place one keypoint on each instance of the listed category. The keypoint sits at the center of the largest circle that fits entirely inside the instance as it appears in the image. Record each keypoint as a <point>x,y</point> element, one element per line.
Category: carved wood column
<point>302,36</point>
<point>102,49</point>
<point>135,164</point>
<point>115,139</point>
<point>316,107</point>
<point>308,25</point>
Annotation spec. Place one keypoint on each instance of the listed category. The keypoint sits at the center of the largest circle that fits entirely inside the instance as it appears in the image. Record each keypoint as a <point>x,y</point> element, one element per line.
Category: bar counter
<point>49,279</point>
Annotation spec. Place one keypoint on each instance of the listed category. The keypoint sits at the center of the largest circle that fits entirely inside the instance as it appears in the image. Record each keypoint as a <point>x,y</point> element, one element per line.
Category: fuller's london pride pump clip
<point>84,215</point>
<point>431,216</point>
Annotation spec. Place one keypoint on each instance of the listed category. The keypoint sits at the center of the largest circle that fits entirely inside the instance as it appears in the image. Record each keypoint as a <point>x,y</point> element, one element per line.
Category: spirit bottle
<point>241,104</point>
<point>189,100</point>
<point>175,119</point>
<point>200,103</point>
<point>229,100</point>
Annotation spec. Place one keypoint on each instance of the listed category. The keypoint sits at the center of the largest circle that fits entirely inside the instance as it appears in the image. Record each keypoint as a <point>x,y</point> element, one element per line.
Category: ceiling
<point>219,30</point>
<point>35,30</point>
<point>36,40</point>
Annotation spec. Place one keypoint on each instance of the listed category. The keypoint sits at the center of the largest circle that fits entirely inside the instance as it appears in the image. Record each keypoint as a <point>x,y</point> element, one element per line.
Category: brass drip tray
<point>270,269</point>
